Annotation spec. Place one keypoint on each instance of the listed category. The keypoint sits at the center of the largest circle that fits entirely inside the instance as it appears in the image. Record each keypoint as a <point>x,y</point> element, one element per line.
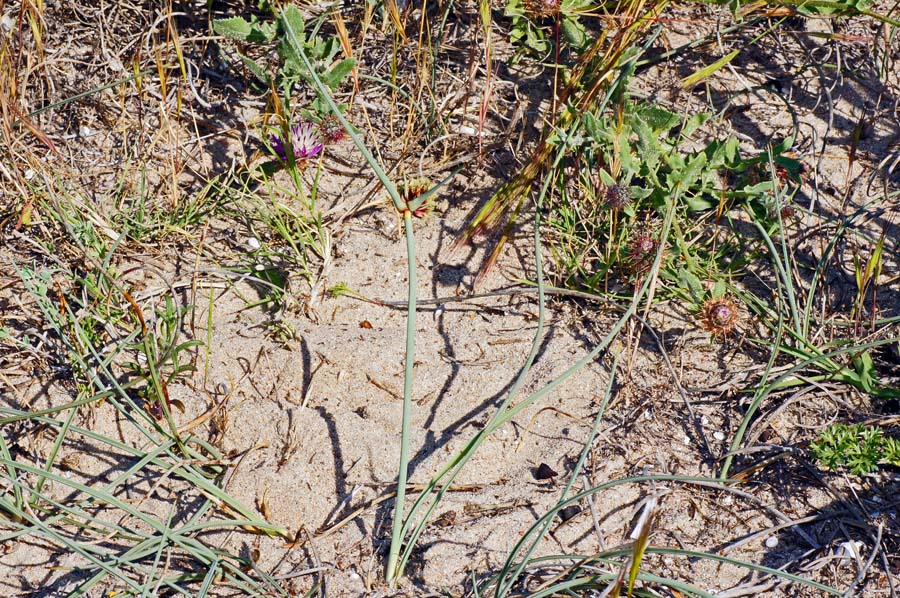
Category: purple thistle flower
<point>305,140</point>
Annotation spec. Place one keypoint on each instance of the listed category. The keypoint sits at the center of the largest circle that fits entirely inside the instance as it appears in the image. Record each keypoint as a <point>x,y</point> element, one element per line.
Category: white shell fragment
<point>848,551</point>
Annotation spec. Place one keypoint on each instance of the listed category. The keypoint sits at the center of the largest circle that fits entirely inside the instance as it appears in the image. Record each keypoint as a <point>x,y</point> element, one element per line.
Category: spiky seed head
<point>641,252</point>
<point>719,315</point>
<point>542,9</point>
<point>331,130</point>
<point>412,189</point>
<point>617,196</point>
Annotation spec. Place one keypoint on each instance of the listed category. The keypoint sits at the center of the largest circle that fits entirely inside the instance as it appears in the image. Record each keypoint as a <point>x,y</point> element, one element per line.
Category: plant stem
<point>392,573</point>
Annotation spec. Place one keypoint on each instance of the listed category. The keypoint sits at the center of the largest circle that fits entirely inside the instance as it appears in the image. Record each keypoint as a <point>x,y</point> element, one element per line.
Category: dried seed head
<point>331,130</point>
<point>542,9</point>
<point>618,196</point>
<point>788,211</point>
<point>412,189</point>
<point>719,315</point>
<point>641,253</point>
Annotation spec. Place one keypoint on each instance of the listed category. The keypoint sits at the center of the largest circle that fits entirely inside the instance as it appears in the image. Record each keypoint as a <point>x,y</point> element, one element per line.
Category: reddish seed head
<point>413,189</point>
<point>331,130</point>
<point>540,9</point>
<point>642,252</point>
<point>719,316</point>
<point>618,196</point>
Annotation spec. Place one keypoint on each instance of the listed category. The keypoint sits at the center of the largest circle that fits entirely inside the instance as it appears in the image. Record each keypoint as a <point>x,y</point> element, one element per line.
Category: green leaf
<point>292,15</point>
<point>574,33</point>
<point>595,128</point>
<point>606,178</point>
<point>865,370</point>
<point>243,30</point>
<point>691,283</point>
<point>660,121</point>
<point>707,71</point>
<point>687,176</point>
<point>718,289</point>
<point>699,203</point>
<point>694,123</point>
<point>234,28</point>
<point>255,69</point>
<point>336,75</point>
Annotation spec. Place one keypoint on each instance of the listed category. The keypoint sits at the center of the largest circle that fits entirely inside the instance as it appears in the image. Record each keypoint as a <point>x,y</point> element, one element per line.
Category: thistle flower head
<point>412,189</point>
<point>331,130</point>
<point>719,315</point>
<point>541,9</point>
<point>641,252</point>
<point>305,141</point>
<point>617,196</point>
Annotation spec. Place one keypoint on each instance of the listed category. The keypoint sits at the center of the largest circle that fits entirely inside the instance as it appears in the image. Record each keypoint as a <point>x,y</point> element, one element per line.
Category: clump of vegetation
<point>859,448</point>
<point>646,205</point>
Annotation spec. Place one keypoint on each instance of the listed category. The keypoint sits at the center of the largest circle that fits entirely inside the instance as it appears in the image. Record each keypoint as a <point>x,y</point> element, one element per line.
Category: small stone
<point>253,243</point>
<point>848,551</point>
<point>543,472</point>
<point>569,512</point>
<point>771,541</point>
<point>719,435</point>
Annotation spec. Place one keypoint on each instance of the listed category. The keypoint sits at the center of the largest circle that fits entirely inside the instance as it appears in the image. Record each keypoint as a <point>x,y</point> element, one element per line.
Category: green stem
<point>393,572</point>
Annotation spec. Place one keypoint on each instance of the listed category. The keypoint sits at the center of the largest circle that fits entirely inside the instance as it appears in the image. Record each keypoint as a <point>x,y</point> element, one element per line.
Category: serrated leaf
<point>691,283</point>
<point>594,127</point>
<point>336,75</point>
<point>255,69</point>
<point>262,33</point>
<point>659,120</point>
<point>574,33</point>
<point>234,28</point>
<point>687,176</point>
<point>693,123</point>
<point>292,15</point>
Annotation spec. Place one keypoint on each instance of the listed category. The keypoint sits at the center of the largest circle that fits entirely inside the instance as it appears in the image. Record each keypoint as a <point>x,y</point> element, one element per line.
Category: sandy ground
<point>311,390</point>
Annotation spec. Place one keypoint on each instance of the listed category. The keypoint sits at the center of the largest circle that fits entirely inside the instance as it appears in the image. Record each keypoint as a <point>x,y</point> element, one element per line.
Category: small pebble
<point>848,551</point>
<point>771,541</point>
<point>29,174</point>
<point>727,500</point>
<point>569,512</point>
<point>704,420</point>
<point>719,435</point>
<point>544,472</point>
<point>687,439</point>
<point>253,243</point>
